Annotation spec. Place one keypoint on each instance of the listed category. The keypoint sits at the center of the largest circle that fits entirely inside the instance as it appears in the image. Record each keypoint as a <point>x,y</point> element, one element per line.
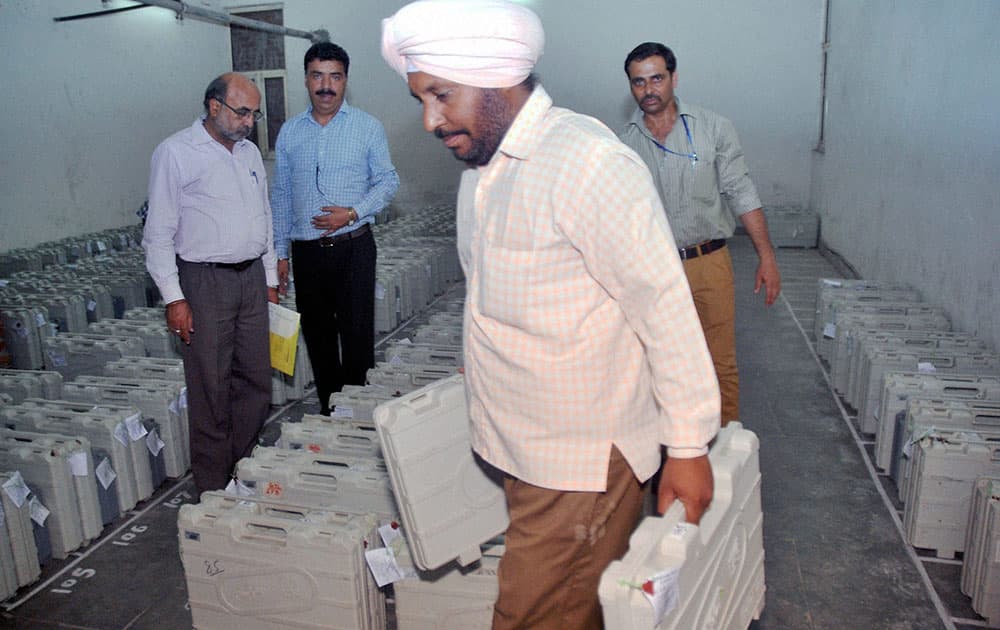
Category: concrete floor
<point>835,557</point>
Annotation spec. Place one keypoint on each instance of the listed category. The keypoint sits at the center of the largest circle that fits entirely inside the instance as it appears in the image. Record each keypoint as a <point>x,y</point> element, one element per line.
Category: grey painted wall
<point>85,103</point>
<point>907,187</point>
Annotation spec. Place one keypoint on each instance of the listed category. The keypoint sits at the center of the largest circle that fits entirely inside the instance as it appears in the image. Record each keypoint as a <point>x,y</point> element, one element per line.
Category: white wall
<point>734,57</point>
<point>907,187</point>
<point>85,103</point>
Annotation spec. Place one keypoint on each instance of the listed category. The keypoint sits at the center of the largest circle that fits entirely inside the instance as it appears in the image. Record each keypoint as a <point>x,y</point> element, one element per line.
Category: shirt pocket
<point>705,184</point>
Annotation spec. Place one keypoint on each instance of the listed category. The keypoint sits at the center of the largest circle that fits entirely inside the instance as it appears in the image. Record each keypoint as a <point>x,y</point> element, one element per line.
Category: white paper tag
<point>662,592</point>
<point>4,283</point>
<point>105,473</point>
<point>78,464</point>
<point>58,358</point>
<point>830,331</point>
<point>390,533</point>
<point>16,489</point>
<point>379,291</point>
<point>23,332</point>
<point>101,246</point>
<point>240,489</point>
<point>405,341</point>
<point>182,400</point>
<point>832,283</point>
<point>38,511</point>
<point>340,411</point>
<point>926,368</point>
<point>383,566</point>
<point>91,305</point>
<point>40,320</point>
<point>396,360</point>
<point>154,443</point>
<point>121,433</point>
<point>136,431</point>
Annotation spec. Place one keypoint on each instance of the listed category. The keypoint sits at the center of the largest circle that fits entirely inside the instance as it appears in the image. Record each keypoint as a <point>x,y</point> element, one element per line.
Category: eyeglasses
<point>243,112</point>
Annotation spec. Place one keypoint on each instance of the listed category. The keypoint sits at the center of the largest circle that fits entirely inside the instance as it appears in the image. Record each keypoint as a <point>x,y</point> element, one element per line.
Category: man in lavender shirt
<point>210,251</point>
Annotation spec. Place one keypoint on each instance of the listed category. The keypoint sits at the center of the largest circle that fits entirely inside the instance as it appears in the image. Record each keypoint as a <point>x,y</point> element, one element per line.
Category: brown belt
<point>701,249</point>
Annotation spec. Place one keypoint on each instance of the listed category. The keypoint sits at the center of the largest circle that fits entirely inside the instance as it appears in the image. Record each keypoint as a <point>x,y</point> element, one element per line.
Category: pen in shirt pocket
<point>254,175</point>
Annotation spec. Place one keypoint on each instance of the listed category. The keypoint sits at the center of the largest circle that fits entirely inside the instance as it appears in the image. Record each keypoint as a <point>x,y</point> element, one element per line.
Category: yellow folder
<point>284,327</point>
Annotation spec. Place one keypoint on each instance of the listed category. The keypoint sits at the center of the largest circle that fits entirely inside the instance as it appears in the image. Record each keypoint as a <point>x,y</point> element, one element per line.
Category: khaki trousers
<point>711,280</point>
<point>557,545</point>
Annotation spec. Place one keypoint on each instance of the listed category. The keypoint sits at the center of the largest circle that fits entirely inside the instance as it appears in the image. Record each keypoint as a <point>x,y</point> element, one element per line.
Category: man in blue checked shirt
<point>333,174</point>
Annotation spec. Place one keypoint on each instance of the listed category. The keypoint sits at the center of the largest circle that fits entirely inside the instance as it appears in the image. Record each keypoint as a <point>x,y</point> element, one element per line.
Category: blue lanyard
<point>693,155</point>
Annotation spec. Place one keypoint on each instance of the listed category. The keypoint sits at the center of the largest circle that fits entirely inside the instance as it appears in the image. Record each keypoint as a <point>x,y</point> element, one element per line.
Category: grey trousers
<point>227,367</point>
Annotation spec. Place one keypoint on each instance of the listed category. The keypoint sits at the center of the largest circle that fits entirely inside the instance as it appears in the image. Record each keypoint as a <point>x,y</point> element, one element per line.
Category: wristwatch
<point>352,216</point>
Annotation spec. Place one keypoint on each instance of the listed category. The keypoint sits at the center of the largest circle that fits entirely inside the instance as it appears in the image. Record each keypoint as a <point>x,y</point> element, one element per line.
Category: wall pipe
<point>183,9</point>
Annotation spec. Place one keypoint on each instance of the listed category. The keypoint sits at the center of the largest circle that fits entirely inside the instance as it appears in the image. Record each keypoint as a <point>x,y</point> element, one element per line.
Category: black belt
<point>701,249</point>
<point>330,241</point>
<point>243,265</point>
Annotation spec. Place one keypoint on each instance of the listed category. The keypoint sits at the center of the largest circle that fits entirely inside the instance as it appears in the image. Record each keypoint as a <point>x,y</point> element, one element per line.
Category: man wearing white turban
<point>583,350</point>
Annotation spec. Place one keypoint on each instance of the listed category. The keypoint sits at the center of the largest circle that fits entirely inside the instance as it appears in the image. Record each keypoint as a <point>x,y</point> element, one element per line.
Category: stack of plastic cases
<point>898,387</point>
<point>261,565</point>
<point>103,446</point>
<point>320,481</point>
<point>96,296</point>
<point>156,399</point>
<point>399,353</point>
<point>850,323</point>
<point>406,377</point>
<point>103,424</point>
<point>278,394</point>
<point>720,562</point>
<point>356,404</point>
<point>846,357</point>
<point>127,289</point>
<point>829,288</point>
<point>931,345</point>
<point>15,390</point>
<point>438,335</point>
<point>67,310</point>
<point>156,336</point>
<point>23,336</point>
<point>17,522</point>
<point>413,288</point>
<point>47,383</point>
<point>911,339</point>
<point>446,318</point>
<point>83,478</point>
<point>76,354</point>
<point>924,415</point>
<point>882,362</point>
<point>49,476</point>
<point>449,597</point>
<point>8,576</point>
<point>869,301</point>
<point>450,502</point>
<point>146,367</point>
<point>908,315</point>
<point>981,563</point>
<point>944,469</point>
<point>329,439</point>
<point>145,314</point>
<point>387,289</point>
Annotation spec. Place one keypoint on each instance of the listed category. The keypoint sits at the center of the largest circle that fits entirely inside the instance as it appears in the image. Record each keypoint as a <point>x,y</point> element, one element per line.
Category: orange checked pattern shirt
<point>580,330</point>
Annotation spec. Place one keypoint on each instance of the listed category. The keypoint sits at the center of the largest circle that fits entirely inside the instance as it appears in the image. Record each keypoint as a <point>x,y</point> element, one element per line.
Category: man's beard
<point>494,116</point>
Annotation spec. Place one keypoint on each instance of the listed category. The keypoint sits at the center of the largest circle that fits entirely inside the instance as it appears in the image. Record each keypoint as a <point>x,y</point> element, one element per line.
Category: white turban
<point>482,43</point>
